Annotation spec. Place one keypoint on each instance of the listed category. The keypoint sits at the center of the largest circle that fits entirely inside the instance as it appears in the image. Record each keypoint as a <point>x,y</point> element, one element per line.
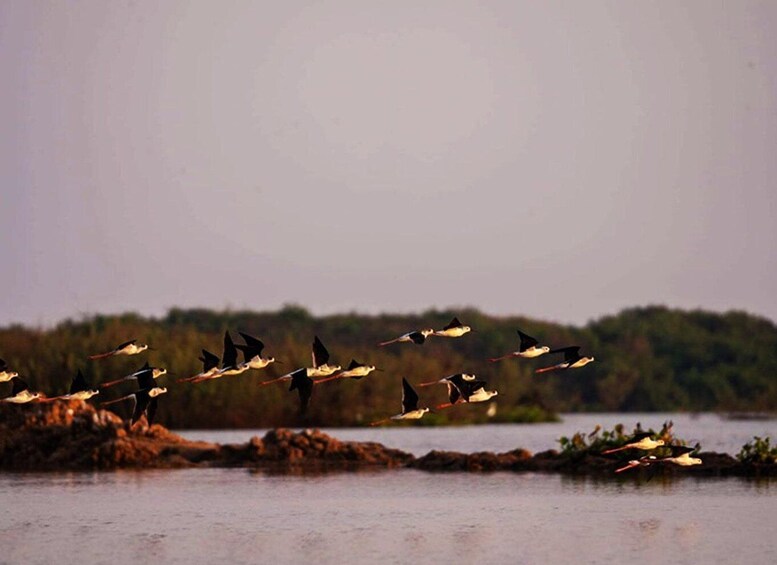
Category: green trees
<point>647,359</point>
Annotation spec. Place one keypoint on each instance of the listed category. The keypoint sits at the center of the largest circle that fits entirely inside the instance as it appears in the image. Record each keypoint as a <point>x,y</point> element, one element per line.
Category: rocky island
<point>75,436</point>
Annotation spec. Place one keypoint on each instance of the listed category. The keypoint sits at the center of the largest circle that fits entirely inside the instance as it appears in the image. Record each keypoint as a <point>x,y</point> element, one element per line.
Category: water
<point>242,516</point>
<point>713,432</point>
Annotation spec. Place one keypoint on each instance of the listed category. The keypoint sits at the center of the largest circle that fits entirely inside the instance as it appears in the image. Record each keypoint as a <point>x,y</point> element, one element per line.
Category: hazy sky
<point>561,160</point>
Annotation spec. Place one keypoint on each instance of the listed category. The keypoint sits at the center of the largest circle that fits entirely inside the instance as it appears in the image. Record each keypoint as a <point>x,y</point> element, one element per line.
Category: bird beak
<point>380,370</point>
<point>279,362</point>
<point>151,348</point>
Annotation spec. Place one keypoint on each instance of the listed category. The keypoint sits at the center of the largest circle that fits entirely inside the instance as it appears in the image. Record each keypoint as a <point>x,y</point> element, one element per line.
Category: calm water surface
<point>242,516</point>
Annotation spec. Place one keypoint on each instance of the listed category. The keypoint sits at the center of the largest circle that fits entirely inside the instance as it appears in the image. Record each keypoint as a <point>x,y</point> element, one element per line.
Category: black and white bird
<point>681,455</point>
<point>229,364</point>
<point>155,372</point>
<point>456,379</point>
<point>131,347</point>
<point>21,393</point>
<point>572,359</point>
<point>5,374</point>
<point>642,440</point>
<point>210,369</point>
<point>252,352</point>
<point>303,384</point>
<point>453,329</point>
<point>79,389</point>
<point>644,461</point>
<point>467,390</point>
<point>145,399</point>
<point>321,366</point>
<point>354,371</point>
<point>410,409</point>
<point>418,337</point>
<point>528,349</point>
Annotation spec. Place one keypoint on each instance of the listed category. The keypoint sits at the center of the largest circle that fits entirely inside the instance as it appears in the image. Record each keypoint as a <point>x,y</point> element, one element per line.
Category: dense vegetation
<point>647,359</point>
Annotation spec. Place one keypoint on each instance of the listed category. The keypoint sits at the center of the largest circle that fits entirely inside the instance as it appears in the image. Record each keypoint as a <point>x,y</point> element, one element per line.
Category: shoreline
<point>74,436</point>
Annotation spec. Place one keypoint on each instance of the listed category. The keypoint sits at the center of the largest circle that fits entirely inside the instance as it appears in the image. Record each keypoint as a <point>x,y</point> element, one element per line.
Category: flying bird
<point>572,359</point>
<point>321,367</point>
<point>467,390</point>
<point>79,389</point>
<point>644,461</point>
<point>642,440</point>
<point>145,399</point>
<point>252,352</point>
<point>155,372</point>
<point>528,349</point>
<point>410,409</point>
<point>229,364</point>
<point>5,374</point>
<point>21,394</point>
<point>354,371</point>
<point>418,337</point>
<point>681,455</point>
<point>210,369</point>
<point>131,347</point>
<point>453,329</point>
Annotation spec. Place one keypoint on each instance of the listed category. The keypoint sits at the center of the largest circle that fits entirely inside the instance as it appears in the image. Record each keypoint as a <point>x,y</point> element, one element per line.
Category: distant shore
<point>74,436</point>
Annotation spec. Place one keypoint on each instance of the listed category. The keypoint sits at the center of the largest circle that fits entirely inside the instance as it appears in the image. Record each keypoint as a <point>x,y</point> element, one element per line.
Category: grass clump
<point>759,450</point>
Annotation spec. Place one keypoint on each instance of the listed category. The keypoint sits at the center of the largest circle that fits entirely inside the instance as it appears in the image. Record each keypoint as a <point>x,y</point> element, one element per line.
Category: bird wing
<point>639,437</point>
<point>251,341</point>
<point>678,450</point>
<point>354,364</point>
<point>454,323</point>
<point>79,383</point>
<point>454,393</point>
<point>320,354</point>
<point>125,344</point>
<point>18,386</point>
<point>141,403</point>
<point>152,406</point>
<point>409,397</point>
<point>527,341</point>
<point>417,337</point>
<point>145,379</point>
<point>570,353</point>
<point>230,352</point>
<point>304,385</point>
<point>3,365</point>
<point>209,360</point>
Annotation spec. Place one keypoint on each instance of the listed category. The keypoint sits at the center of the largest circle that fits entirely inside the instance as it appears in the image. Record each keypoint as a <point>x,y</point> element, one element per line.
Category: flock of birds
<point>462,387</point>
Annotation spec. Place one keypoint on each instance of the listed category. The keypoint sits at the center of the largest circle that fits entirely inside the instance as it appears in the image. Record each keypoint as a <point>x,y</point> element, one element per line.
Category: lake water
<point>242,516</point>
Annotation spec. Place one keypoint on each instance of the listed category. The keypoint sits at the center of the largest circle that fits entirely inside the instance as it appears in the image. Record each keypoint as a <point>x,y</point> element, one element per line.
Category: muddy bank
<point>73,435</point>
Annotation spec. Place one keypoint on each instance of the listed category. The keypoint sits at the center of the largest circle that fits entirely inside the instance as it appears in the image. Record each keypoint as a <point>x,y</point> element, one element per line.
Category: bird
<point>453,329</point>
<point>528,349</point>
<point>455,379</point>
<point>79,389</point>
<point>131,347</point>
<point>681,455</point>
<point>410,409</point>
<point>210,369</point>
<point>5,374</point>
<point>644,461</point>
<point>354,371</point>
<point>20,393</point>
<point>252,352</point>
<point>572,359</point>
<point>417,336</point>
<point>156,372</point>
<point>229,364</point>
<point>467,390</point>
<point>642,440</point>
<point>145,399</point>
<point>301,382</point>
<point>321,367</point>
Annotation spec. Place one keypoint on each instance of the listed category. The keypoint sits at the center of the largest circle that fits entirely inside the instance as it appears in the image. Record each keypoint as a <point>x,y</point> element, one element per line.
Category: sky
<point>559,160</point>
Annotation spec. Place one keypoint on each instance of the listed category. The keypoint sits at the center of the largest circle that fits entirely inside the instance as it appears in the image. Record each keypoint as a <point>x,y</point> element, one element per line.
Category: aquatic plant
<point>600,439</point>
<point>758,451</point>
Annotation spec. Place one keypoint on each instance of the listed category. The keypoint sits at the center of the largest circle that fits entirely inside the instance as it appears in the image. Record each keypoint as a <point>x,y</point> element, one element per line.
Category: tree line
<point>647,359</point>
